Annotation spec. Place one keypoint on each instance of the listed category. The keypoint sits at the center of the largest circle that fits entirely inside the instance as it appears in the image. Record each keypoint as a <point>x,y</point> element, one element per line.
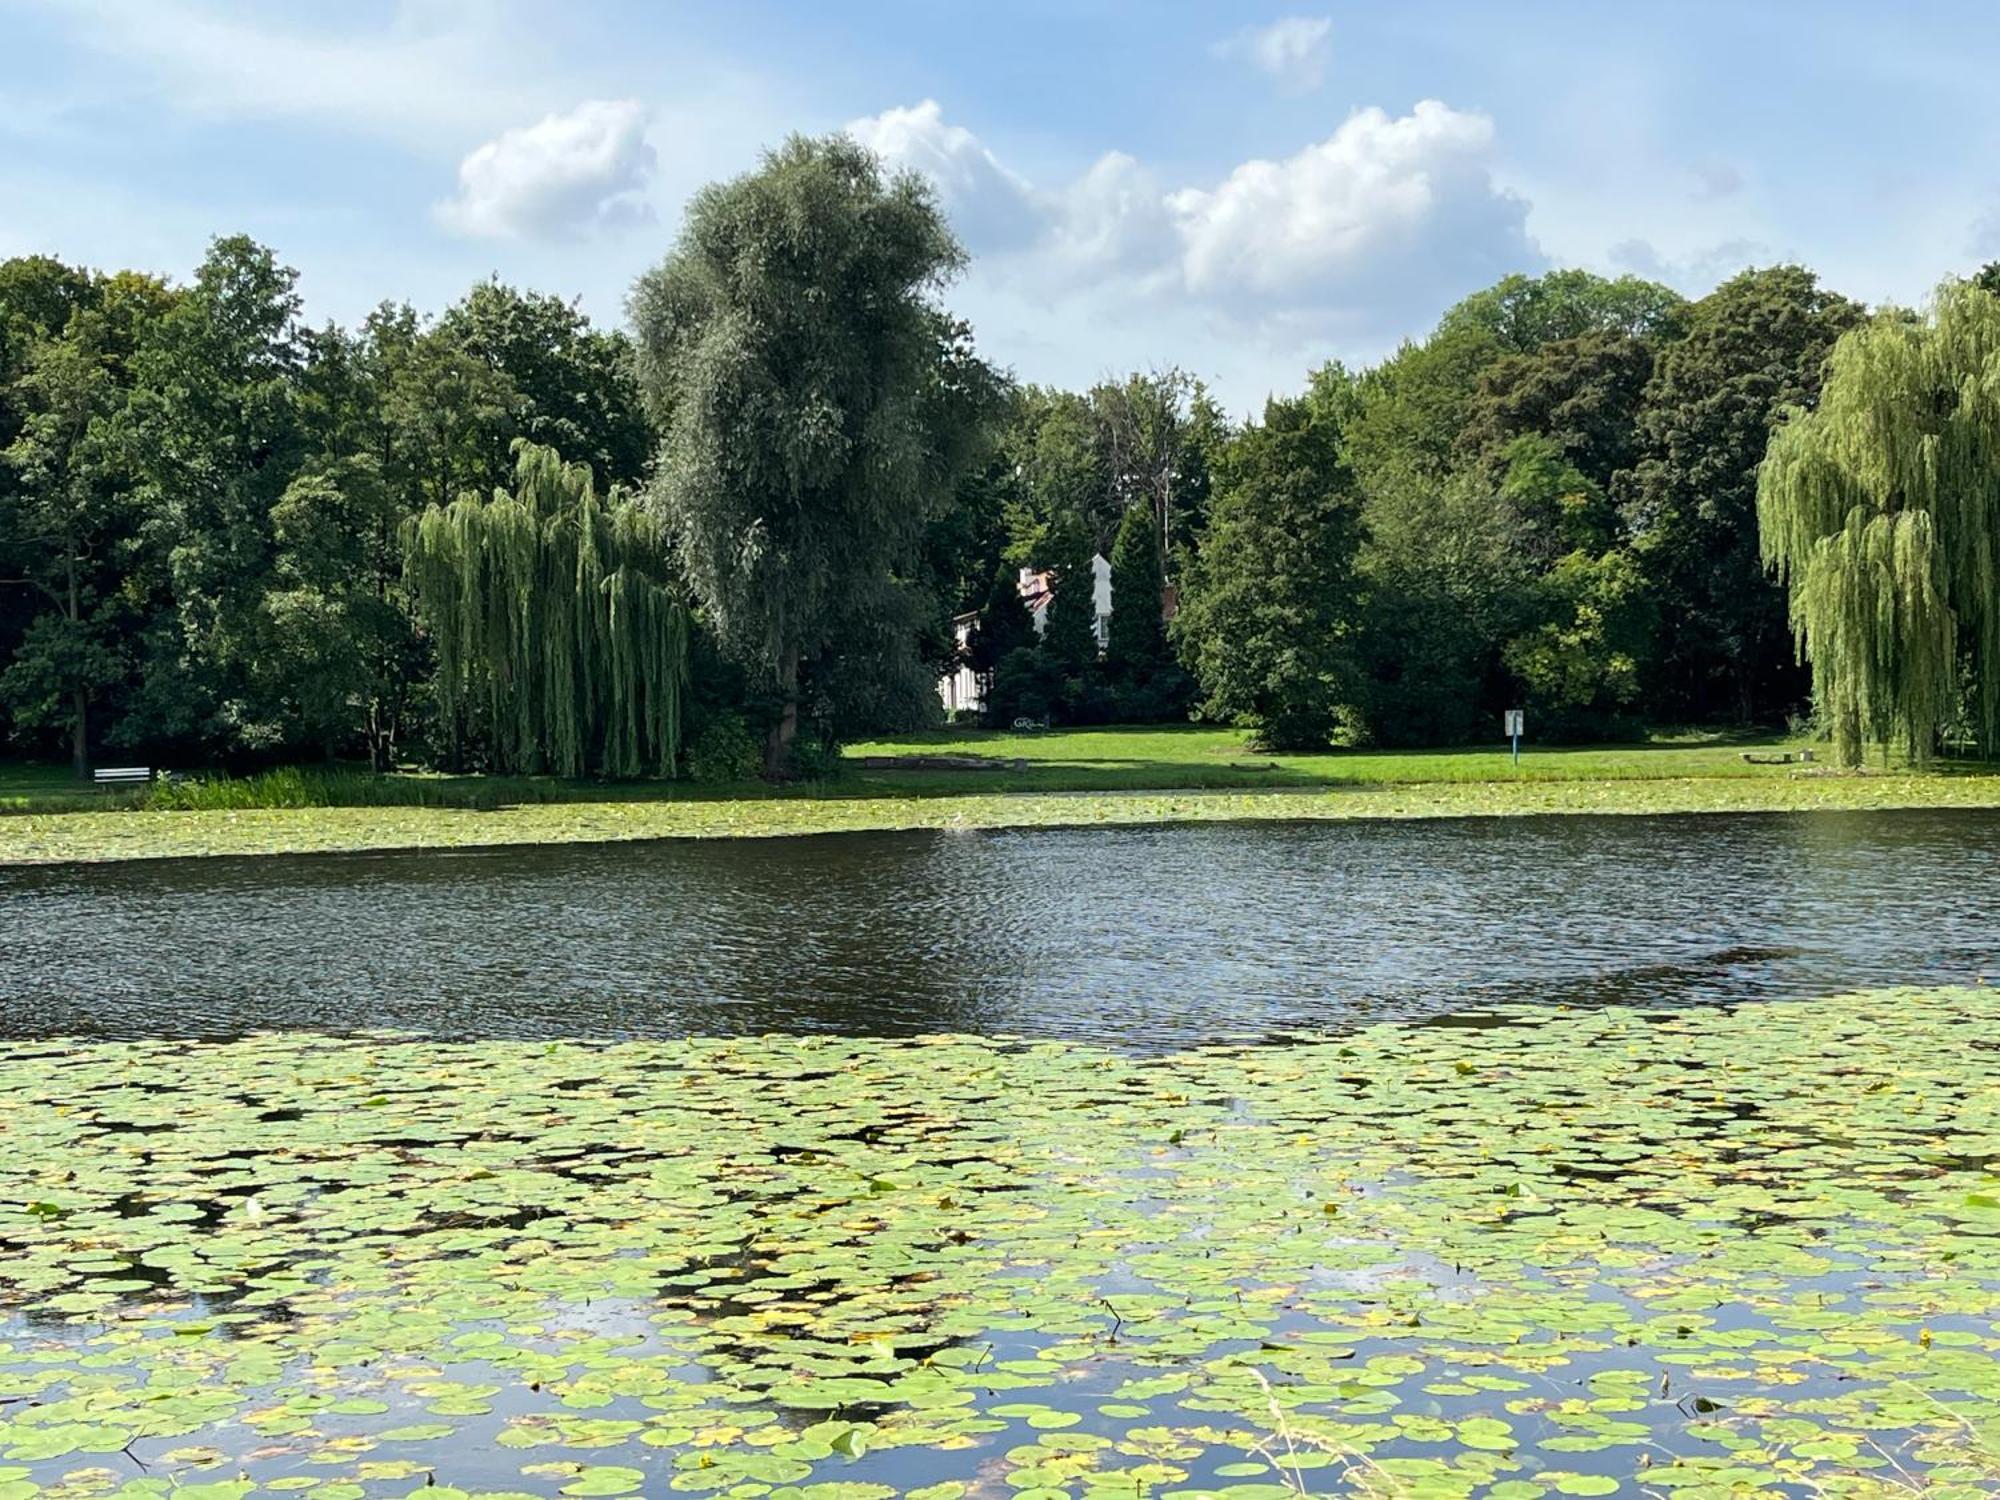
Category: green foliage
<point>1138,636</point>
<point>576,387</point>
<point>1524,313</point>
<point>1053,440</point>
<point>1070,633</point>
<point>1027,683</point>
<point>1005,624</point>
<point>295,787</point>
<point>60,506</point>
<point>1581,394</point>
<point>1881,511</point>
<point>1580,667</point>
<point>561,643</point>
<point>1447,579</point>
<point>1549,501</point>
<point>792,355</point>
<point>212,434</point>
<point>724,751</point>
<point>1268,620</point>
<point>1755,346</point>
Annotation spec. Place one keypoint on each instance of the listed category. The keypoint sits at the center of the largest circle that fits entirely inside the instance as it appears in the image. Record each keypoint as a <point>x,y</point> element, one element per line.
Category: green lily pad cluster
<point>1706,1252</point>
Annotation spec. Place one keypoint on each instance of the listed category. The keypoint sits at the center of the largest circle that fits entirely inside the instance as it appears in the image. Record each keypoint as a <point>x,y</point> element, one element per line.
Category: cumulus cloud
<point>565,175</point>
<point>1379,204</point>
<point>990,207</point>
<point>1384,220</point>
<point>1294,51</point>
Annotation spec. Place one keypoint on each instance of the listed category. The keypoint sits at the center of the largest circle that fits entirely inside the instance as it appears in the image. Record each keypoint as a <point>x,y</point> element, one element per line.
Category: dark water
<point>1143,937</point>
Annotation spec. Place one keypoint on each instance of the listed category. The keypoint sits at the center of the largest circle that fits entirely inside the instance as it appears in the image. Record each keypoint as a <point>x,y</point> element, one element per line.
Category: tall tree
<point>445,418</point>
<point>1522,313</point>
<point>1585,623</point>
<point>67,517</point>
<point>213,435</point>
<point>1138,634</point>
<point>1157,432</point>
<point>338,657</point>
<point>561,643</point>
<point>789,351</point>
<point>1582,393</point>
<point>1755,346</point>
<point>1070,630</point>
<point>1004,624</point>
<point>1443,562</point>
<point>576,385</point>
<point>63,508</point>
<point>1061,478</point>
<point>1881,512</point>
<point>1267,624</point>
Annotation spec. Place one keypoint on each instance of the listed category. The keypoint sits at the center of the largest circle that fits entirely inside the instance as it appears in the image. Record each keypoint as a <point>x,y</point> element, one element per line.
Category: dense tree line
<point>504,538</point>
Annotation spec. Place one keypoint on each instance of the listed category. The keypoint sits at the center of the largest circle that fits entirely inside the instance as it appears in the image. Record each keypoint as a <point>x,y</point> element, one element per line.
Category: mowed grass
<point>1177,757</point>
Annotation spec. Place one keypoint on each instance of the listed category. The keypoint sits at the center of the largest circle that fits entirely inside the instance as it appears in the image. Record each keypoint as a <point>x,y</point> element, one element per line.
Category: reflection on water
<point>1139,937</point>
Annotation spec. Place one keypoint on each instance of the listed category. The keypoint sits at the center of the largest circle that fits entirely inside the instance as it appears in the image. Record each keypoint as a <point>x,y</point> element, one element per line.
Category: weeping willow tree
<point>560,644</point>
<point>1881,511</point>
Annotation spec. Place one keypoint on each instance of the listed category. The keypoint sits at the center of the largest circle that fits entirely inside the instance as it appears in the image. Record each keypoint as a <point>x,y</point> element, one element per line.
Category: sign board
<point>1516,723</point>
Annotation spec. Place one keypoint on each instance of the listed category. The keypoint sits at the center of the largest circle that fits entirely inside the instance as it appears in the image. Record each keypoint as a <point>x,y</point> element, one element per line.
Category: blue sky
<point>1242,190</point>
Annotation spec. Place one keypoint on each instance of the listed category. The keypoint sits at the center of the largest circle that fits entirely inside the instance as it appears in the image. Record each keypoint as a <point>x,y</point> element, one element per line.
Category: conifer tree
<point>1138,638</point>
<point>1070,636</point>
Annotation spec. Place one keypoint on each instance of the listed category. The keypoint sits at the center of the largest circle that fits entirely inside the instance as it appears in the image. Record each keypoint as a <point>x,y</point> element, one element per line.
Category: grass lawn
<point>1179,757</point>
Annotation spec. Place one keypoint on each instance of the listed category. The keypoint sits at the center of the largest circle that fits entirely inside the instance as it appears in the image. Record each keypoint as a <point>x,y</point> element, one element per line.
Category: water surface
<point>1151,937</point>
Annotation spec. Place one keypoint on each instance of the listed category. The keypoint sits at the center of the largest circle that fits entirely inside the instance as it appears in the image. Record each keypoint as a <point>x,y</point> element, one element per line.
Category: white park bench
<point>111,778</point>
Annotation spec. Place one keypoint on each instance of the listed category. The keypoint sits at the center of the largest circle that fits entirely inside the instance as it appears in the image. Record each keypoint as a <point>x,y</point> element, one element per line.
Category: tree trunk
<point>79,735</point>
<point>778,744</point>
<point>79,743</point>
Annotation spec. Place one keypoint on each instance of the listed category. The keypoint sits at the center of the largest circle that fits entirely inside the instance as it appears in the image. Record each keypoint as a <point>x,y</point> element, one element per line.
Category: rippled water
<point>1144,937</point>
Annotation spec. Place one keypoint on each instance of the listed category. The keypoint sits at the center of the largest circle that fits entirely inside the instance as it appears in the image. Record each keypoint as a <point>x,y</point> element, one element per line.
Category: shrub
<point>293,787</point>
<point>724,751</point>
<point>815,758</point>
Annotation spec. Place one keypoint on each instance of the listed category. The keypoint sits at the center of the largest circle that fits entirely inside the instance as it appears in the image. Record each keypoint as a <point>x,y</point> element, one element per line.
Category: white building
<point>962,689</point>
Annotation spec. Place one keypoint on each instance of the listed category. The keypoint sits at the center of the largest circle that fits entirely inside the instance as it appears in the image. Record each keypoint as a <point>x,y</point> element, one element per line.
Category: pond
<point>584,1230</point>
<point>1132,937</point>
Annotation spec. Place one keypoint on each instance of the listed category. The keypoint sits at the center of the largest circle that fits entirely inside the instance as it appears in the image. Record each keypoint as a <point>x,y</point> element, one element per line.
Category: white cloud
<point>990,207</point>
<point>1382,223</point>
<point>1381,208</point>
<point>1294,51</point>
<point>430,70</point>
<point>563,176</point>
<point>1113,222</point>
